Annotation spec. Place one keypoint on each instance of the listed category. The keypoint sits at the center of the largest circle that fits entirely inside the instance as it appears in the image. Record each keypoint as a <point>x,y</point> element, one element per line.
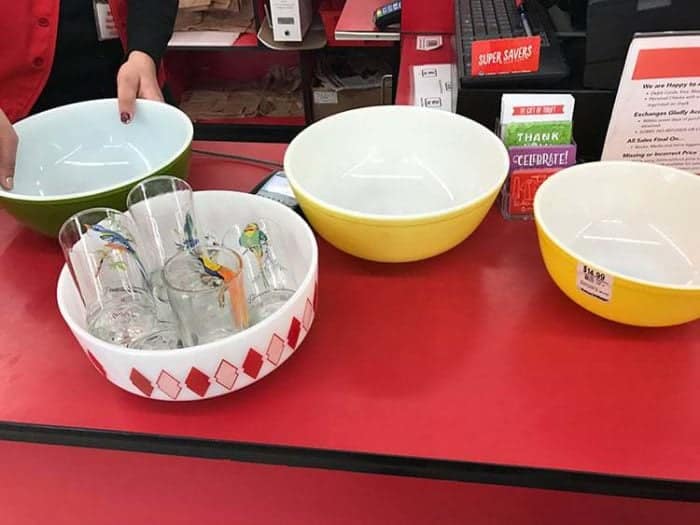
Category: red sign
<point>675,62</point>
<point>523,185</point>
<point>506,55</point>
<point>539,110</point>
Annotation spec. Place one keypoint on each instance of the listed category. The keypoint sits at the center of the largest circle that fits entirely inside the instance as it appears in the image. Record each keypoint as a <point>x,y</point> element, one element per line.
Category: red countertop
<point>474,355</point>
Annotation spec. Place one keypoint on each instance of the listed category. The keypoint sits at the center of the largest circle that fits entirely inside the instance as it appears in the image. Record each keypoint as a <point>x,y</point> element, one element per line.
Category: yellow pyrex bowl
<point>622,240</point>
<point>396,183</point>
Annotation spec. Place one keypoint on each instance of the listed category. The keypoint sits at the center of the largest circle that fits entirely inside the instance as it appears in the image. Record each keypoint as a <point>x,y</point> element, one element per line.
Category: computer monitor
<point>576,9</point>
<point>611,25</point>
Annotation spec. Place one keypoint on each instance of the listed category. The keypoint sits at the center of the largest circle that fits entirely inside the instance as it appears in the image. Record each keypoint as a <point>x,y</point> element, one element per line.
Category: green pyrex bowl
<point>63,167</point>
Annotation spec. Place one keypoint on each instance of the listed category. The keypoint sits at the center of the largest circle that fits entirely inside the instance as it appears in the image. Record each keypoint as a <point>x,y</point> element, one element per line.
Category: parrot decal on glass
<point>214,270</point>
<point>253,239</point>
<point>189,242</point>
<point>115,242</point>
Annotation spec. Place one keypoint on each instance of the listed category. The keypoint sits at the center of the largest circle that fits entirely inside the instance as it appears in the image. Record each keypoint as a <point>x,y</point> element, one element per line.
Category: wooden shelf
<point>315,38</point>
<point>244,41</point>
<point>271,131</point>
<point>255,121</point>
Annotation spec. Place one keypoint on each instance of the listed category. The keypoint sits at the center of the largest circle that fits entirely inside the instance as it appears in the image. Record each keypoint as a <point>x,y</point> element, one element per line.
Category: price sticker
<point>594,282</point>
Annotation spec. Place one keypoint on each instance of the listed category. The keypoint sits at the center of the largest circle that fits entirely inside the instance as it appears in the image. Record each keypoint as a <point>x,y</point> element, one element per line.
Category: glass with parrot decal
<point>162,208</point>
<point>262,246</point>
<point>104,259</point>
<point>207,294</point>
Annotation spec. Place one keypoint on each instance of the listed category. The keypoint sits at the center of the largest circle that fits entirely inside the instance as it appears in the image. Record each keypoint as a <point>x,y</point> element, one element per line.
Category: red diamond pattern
<point>169,385</point>
<point>308,315</point>
<point>226,374</point>
<point>293,334</point>
<point>141,382</point>
<point>316,297</point>
<point>275,349</point>
<point>96,363</point>
<point>197,381</point>
<point>253,363</point>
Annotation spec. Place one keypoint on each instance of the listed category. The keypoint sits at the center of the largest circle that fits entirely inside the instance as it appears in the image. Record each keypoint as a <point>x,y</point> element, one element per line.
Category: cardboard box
<point>346,82</point>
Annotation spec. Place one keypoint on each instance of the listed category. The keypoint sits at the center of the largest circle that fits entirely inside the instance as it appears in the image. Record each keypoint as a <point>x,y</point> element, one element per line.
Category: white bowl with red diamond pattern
<point>226,365</point>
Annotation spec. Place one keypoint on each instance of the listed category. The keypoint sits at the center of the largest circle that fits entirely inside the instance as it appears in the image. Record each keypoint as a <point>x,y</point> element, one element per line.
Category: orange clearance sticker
<point>506,55</point>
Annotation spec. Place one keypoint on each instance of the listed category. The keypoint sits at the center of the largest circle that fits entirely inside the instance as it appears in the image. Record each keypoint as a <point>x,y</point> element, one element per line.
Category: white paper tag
<point>656,115</point>
<point>594,282</point>
<point>325,97</point>
<point>432,86</point>
<point>428,43</point>
<point>106,30</point>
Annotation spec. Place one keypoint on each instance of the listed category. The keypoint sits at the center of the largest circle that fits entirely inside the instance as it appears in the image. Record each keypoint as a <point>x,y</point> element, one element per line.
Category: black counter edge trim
<point>506,475</point>
<point>245,132</point>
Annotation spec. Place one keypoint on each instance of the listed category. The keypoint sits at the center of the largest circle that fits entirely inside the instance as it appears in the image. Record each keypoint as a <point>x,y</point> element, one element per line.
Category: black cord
<point>240,158</point>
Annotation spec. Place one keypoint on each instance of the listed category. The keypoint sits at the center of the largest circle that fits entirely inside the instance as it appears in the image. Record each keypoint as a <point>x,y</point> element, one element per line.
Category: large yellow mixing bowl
<point>396,183</point>
<point>622,240</point>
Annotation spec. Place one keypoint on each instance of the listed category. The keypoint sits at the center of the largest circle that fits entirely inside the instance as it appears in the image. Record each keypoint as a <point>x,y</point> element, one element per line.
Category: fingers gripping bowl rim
<point>64,167</point>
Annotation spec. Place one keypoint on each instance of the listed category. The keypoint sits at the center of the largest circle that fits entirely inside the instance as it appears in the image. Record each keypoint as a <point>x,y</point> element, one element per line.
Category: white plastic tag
<point>428,43</point>
<point>106,29</point>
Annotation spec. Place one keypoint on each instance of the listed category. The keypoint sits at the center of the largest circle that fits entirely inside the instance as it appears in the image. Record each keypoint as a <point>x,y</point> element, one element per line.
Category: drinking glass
<point>106,265</point>
<point>163,210</point>
<point>207,294</point>
<point>269,282</point>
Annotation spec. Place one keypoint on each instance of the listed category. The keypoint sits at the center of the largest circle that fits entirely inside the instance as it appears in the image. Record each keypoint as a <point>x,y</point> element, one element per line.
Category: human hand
<point>137,78</point>
<point>8,152</point>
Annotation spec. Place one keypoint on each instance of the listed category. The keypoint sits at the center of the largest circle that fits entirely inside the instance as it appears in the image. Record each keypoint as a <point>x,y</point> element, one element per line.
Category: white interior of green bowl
<point>637,220</point>
<point>84,148</point>
<point>396,162</point>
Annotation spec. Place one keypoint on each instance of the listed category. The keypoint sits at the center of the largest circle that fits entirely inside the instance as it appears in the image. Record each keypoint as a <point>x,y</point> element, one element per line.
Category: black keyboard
<point>489,19</point>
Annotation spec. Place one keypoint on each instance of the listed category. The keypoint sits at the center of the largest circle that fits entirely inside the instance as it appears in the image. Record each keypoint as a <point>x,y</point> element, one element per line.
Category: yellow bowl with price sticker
<point>622,240</point>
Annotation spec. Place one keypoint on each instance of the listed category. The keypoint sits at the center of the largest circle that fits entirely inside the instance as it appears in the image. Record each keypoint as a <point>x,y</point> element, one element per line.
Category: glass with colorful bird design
<point>104,259</point>
<point>207,294</point>
<point>263,249</point>
<point>163,210</point>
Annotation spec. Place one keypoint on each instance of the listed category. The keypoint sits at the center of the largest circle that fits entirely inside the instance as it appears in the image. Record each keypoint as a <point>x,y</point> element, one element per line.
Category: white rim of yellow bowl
<point>572,172</point>
<point>72,196</point>
<point>348,214</point>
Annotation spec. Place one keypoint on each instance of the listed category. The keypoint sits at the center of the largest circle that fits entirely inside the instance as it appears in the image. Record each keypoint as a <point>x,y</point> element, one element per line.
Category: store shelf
<point>411,56</point>
<point>355,22</point>
<point>254,129</point>
<point>244,41</point>
<point>255,121</point>
<point>314,39</point>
